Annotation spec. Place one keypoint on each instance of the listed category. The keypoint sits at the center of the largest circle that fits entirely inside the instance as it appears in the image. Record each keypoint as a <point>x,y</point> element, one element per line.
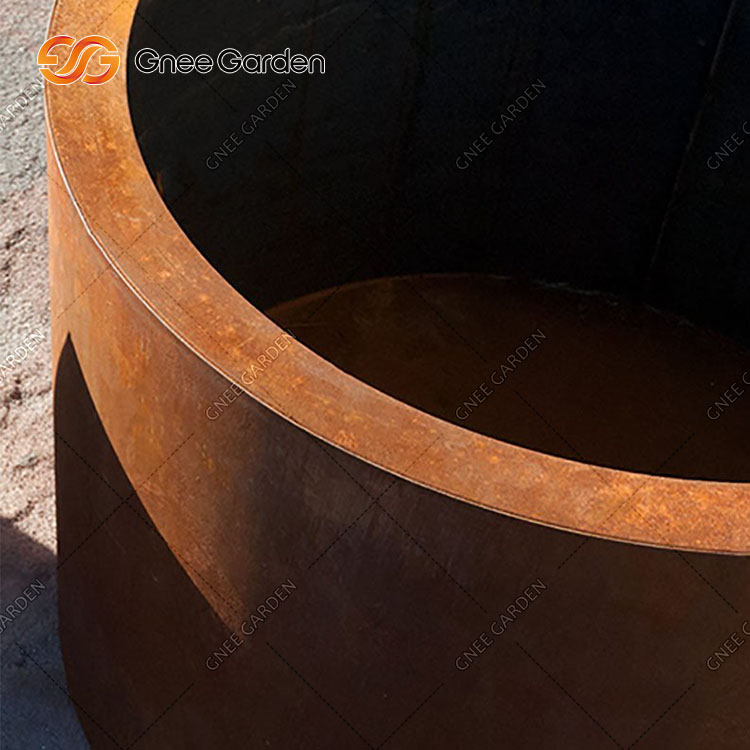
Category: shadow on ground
<point>36,712</point>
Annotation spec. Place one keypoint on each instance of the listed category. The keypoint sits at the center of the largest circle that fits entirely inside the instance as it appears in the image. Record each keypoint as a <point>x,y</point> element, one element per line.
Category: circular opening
<point>444,216</point>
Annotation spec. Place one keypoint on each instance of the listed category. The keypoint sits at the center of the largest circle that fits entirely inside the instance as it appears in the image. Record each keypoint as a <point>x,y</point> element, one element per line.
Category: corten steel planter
<point>355,535</point>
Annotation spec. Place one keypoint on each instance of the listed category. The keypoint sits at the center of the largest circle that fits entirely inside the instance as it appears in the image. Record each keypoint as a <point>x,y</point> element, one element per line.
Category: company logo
<point>229,60</point>
<point>75,67</point>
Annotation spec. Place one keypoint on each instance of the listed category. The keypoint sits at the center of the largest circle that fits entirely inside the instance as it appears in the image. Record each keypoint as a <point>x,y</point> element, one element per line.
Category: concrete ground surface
<point>35,711</point>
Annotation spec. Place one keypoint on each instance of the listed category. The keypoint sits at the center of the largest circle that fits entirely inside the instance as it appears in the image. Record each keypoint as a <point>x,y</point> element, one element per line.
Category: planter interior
<point>357,211</point>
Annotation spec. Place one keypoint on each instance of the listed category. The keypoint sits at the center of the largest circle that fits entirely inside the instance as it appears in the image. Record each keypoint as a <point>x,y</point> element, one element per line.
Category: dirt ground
<point>35,711</point>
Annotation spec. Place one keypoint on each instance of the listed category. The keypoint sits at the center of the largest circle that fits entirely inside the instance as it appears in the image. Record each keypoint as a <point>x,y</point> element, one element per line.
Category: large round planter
<point>258,548</point>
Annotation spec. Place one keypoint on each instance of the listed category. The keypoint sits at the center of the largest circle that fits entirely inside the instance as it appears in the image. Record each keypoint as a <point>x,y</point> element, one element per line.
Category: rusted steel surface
<point>148,251</point>
<point>309,565</point>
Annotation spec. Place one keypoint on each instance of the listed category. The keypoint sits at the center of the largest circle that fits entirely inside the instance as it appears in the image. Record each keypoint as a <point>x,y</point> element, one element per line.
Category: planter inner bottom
<point>579,375</point>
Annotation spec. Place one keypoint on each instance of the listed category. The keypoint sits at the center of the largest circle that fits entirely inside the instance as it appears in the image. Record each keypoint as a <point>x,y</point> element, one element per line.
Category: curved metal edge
<point>102,170</point>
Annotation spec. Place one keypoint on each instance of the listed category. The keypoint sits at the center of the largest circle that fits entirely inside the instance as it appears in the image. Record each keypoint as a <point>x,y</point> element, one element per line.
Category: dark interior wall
<point>354,175</point>
<point>702,265</point>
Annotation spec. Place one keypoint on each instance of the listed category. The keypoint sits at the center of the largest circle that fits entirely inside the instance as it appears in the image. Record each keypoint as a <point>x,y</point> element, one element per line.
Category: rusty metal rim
<point>94,145</point>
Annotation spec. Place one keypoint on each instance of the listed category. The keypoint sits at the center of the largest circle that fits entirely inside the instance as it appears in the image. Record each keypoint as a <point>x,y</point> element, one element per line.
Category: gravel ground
<point>35,711</point>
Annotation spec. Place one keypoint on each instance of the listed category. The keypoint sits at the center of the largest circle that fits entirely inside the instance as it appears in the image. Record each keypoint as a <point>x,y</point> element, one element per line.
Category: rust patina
<point>404,536</point>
